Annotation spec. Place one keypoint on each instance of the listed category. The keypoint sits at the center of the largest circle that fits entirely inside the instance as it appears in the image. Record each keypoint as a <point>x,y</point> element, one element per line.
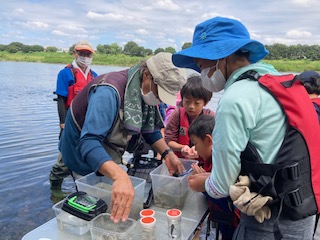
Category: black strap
<point>276,229</point>
<point>165,153</point>
<point>251,74</point>
<point>288,84</point>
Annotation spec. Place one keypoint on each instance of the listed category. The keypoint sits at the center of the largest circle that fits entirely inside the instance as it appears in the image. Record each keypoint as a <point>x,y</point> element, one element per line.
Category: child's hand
<point>185,150</point>
<point>192,152</point>
<point>189,153</point>
<point>197,182</point>
<point>196,169</point>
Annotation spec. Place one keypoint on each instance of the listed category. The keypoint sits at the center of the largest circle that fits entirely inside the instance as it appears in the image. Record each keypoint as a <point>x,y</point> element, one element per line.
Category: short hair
<point>313,85</point>
<point>202,126</point>
<point>194,88</point>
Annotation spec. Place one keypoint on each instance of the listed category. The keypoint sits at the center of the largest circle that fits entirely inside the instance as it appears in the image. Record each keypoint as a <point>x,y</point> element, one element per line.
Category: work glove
<point>249,203</point>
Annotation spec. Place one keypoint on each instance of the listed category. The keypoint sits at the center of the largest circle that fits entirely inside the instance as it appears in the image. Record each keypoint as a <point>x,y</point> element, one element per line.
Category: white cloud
<point>298,34</point>
<point>59,33</point>
<point>142,31</point>
<point>304,3</point>
<point>168,5</point>
<point>72,28</point>
<point>36,25</point>
<point>19,10</point>
<point>106,16</point>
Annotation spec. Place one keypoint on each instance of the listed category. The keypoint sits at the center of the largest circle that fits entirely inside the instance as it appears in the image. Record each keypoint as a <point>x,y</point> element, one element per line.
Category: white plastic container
<point>168,191</point>
<point>101,187</point>
<point>68,222</point>
<point>148,228</point>
<point>101,227</point>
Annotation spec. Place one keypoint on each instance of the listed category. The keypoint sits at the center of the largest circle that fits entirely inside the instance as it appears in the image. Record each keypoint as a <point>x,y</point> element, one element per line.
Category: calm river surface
<point>28,145</point>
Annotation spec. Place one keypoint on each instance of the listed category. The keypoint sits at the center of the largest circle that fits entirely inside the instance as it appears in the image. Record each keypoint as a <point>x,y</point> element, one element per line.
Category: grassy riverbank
<point>125,60</point>
<point>60,57</point>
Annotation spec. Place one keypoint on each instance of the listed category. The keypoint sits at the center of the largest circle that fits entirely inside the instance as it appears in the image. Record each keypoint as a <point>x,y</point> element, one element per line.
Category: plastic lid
<point>147,212</point>
<point>173,214</point>
<point>147,221</point>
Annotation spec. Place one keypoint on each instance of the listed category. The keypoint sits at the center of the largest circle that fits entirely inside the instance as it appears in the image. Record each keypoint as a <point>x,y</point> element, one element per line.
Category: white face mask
<point>149,98</point>
<point>216,82</point>
<point>84,61</point>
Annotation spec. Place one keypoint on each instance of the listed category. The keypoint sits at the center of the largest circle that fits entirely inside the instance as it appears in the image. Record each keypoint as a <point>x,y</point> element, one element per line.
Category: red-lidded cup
<point>147,213</point>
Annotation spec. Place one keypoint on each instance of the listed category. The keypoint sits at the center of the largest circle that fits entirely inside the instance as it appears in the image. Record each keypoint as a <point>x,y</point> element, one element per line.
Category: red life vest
<point>183,137</point>
<point>79,82</point>
<point>293,180</point>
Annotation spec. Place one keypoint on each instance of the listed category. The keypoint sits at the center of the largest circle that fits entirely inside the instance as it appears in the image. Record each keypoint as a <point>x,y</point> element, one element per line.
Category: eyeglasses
<point>84,53</point>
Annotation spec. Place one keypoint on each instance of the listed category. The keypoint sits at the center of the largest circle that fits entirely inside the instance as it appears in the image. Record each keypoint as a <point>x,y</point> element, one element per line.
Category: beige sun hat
<point>167,76</point>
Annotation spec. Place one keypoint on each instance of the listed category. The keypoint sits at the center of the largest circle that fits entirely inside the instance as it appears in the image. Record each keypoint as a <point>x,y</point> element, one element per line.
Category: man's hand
<point>121,199</point>
<point>122,191</point>
<point>173,163</point>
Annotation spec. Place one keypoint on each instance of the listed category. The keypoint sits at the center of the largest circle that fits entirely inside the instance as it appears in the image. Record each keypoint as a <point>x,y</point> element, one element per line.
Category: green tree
<point>16,45</point>
<point>158,50</point>
<point>102,48</point>
<point>170,50</point>
<point>12,49</point>
<point>115,48</point>
<point>137,51</point>
<point>186,45</point>
<point>36,48</point>
<point>148,52</point>
<point>71,49</point>
<point>127,49</point>
<point>2,47</point>
<point>25,48</point>
<point>51,49</point>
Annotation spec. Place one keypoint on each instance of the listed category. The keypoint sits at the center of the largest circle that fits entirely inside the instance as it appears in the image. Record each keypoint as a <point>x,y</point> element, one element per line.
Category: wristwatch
<point>165,153</point>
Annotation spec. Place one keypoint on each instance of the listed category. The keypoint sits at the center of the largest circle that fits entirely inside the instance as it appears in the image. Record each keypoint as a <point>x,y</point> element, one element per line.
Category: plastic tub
<point>68,222</point>
<point>101,227</point>
<point>101,187</point>
<point>169,191</point>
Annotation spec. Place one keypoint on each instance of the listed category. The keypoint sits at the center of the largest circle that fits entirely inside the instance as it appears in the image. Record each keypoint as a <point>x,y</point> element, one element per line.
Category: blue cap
<point>218,38</point>
<point>306,76</point>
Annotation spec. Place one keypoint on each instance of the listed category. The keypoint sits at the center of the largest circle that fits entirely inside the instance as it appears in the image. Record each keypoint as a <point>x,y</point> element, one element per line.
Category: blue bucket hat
<point>218,38</point>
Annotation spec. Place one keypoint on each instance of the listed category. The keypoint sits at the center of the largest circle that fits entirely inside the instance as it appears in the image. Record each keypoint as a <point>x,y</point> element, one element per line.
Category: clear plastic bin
<point>101,187</point>
<point>68,222</point>
<point>101,228</point>
<point>169,191</point>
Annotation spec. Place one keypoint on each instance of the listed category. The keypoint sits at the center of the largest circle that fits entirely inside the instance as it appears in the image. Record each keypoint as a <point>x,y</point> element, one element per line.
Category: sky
<point>153,23</point>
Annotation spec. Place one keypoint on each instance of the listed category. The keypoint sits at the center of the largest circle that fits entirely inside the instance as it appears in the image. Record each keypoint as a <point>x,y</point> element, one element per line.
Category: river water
<point>28,145</point>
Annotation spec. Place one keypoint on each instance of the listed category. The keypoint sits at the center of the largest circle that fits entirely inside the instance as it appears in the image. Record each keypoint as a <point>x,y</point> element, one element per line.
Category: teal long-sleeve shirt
<point>246,113</point>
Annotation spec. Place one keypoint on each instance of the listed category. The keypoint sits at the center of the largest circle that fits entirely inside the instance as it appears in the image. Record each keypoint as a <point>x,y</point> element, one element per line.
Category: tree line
<point>277,50</point>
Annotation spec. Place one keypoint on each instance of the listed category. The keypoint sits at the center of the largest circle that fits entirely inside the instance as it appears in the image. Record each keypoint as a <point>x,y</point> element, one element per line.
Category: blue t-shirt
<point>65,79</point>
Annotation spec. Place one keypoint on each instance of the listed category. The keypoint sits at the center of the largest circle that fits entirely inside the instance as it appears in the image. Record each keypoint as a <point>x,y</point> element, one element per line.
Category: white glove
<point>249,203</point>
